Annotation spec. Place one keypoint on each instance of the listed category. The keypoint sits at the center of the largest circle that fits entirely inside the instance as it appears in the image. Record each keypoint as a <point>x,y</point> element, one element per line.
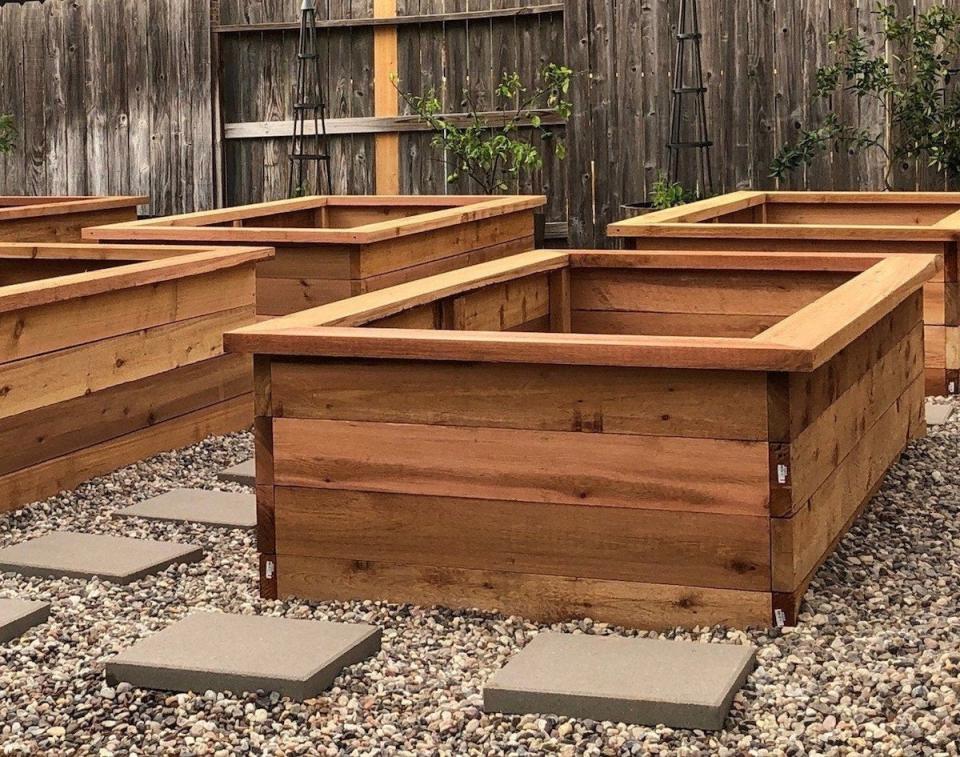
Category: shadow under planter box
<point>111,354</point>
<point>871,222</point>
<point>332,248</point>
<point>61,219</point>
<point>647,439</point>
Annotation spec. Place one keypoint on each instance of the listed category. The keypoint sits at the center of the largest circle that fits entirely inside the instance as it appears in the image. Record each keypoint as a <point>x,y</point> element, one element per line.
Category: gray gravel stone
<point>872,668</point>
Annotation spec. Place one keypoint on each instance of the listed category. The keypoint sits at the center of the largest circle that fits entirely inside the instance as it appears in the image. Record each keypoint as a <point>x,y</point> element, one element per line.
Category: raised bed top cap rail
<point>888,216</point>
<point>13,207</point>
<point>239,224</point>
<point>800,342</point>
<point>136,265</point>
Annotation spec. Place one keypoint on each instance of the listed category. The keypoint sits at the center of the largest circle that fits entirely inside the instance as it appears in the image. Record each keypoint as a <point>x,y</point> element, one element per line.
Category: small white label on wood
<point>780,618</point>
<point>782,473</point>
<point>269,569</point>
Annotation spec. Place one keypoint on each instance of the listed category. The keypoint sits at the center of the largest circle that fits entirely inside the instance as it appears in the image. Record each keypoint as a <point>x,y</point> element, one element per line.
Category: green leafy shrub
<point>7,133</point>
<point>496,152</point>
<point>668,194</point>
<point>921,111</point>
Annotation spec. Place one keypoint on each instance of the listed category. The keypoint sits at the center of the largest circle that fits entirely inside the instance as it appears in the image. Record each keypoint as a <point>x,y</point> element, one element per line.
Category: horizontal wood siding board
<point>14,206</point>
<point>278,129</point>
<point>65,374</point>
<point>545,398</point>
<point>693,549</point>
<point>151,271</point>
<point>670,324</point>
<point>285,296</point>
<point>67,472</point>
<point>800,541</point>
<point>666,473</point>
<point>419,19</point>
<point>502,307</point>
<point>840,213</point>
<point>738,232</point>
<point>704,292</point>
<point>311,261</point>
<point>545,599</point>
<point>45,433</point>
<point>444,265</point>
<point>778,247</point>
<point>39,329</point>
<point>435,244</point>
<point>60,228</point>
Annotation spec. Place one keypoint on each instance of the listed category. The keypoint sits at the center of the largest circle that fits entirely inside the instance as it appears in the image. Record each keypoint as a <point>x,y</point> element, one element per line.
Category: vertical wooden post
<point>263,448</point>
<point>385,100</point>
<point>561,314</point>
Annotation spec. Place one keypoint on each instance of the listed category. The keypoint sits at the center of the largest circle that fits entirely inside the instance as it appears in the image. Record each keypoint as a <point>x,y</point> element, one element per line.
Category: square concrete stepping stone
<point>243,473</point>
<point>230,509</point>
<point>221,652</point>
<point>17,616</point>
<point>938,414</point>
<point>639,681</point>
<point>113,558</point>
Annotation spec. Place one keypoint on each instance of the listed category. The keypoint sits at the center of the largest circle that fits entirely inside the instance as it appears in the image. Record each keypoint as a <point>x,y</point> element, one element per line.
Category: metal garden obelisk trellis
<point>309,106</point>
<point>688,64</point>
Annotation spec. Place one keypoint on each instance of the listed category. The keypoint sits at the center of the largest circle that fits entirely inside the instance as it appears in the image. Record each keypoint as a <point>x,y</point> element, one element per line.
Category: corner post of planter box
<point>951,286</point>
<point>263,451</point>
<point>561,313</point>
<point>386,101</point>
<point>779,438</point>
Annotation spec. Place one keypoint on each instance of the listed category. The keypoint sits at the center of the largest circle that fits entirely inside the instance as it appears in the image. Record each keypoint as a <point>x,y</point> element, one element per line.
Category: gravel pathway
<point>872,669</point>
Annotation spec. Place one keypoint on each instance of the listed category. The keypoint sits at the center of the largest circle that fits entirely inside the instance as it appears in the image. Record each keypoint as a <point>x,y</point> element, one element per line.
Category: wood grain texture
<point>696,475</point>
<point>566,540</point>
<point>545,398</point>
<point>546,599</point>
<point>39,435</point>
<point>67,472</point>
<point>73,372</point>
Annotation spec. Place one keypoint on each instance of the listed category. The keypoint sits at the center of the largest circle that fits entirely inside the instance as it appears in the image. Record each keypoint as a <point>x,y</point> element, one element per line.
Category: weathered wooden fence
<point>110,96</point>
<point>190,100</point>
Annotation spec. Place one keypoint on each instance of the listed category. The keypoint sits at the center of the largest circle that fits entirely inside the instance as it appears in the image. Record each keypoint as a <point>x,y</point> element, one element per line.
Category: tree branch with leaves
<point>921,112</point>
<point>497,152</point>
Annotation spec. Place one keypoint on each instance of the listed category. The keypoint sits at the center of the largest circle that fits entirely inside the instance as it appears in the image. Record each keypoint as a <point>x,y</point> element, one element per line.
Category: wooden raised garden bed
<point>646,439</point>
<point>109,355</point>
<point>332,248</point>
<point>61,219</point>
<point>872,222</point>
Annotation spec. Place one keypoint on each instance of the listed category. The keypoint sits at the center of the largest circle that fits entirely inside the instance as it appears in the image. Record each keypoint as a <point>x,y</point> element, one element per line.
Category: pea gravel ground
<point>872,669</point>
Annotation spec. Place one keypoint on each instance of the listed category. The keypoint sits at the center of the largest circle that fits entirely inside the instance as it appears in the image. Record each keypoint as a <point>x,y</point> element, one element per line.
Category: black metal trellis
<point>309,105</point>
<point>689,36</point>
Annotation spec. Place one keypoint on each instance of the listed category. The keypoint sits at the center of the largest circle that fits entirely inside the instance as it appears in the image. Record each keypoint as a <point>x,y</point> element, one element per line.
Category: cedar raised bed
<point>891,222</point>
<point>332,248</point>
<point>109,355</point>
<point>61,219</point>
<point>648,439</point>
